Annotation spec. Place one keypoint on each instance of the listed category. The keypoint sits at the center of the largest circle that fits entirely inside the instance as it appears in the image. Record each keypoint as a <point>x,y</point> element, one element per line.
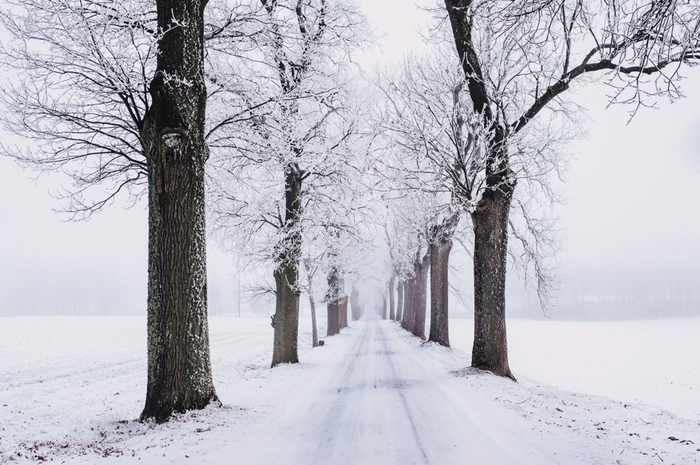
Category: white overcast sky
<point>632,191</point>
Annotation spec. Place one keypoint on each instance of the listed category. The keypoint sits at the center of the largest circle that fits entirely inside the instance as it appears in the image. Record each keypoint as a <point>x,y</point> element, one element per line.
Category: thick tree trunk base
<point>439,293</point>
<point>490,222</point>
<point>286,319</point>
<point>163,409</point>
<point>179,366</point>
<point>333,320</point>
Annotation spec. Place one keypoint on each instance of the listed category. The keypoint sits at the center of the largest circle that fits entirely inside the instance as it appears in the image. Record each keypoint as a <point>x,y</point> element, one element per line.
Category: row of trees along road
<point>134,97</point>
<point>471,139</point>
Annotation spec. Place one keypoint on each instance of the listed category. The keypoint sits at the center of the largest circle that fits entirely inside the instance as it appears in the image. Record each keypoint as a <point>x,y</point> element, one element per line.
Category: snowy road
<point>71,389</point>
<point>383,403</point>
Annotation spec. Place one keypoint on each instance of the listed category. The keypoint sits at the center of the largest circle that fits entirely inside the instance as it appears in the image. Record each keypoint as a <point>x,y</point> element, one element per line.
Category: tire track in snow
<point>379,400</point>
<point>389,354</point>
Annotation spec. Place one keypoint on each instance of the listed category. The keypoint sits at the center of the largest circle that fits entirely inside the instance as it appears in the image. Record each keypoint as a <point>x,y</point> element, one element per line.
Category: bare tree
<point>295,140</point>
<point>115,96</point>
<point>518,59</point>
<point>173,135</point>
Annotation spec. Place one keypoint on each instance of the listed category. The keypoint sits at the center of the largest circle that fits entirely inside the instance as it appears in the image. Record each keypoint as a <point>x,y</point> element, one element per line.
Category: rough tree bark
<point>440,248</point>
<point>490,221</point>
<point>286,318</point>
<point>179,367</point>
<point>439,292</point>
<point>392,312</point>
<point>421,293</point>
<point>490,350</point>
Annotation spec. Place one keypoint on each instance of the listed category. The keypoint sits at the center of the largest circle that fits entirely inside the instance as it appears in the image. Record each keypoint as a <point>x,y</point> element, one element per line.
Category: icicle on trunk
<point>179,367</point>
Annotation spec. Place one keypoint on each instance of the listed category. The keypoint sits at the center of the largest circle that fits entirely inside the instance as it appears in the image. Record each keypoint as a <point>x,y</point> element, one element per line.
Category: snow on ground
<point>656,362</point>
<point>588,393</point>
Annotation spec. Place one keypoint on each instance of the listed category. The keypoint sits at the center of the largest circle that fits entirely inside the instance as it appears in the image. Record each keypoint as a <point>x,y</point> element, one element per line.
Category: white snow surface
<point>71,389</point>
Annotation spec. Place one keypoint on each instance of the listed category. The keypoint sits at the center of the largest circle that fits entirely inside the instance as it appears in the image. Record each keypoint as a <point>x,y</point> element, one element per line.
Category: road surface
<point>382,401</point>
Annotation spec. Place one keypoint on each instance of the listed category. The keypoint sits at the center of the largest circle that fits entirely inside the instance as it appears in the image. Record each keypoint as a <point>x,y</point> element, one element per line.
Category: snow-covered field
<point>588,393</point>
<point>656,362</point>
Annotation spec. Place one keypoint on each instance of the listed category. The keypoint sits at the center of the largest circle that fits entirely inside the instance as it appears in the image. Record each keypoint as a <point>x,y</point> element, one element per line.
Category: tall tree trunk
<point>490,350</point>
<point>355,303</point>
<point>343,308</point>
<point>314,328</point>
<point>392,313</point>
<point>400,304</point>
<point>440,248</point>
<point>409,303</point>
<point>179,367</point>
<point>286,319</point>
<point>333,321</point>
<point>312,303</point>
<point>342,305</point>
<point>421,269</point>
<point>439,291</point>
<point>490,220</point>
<point>333,303</point>
<point>384,308</point>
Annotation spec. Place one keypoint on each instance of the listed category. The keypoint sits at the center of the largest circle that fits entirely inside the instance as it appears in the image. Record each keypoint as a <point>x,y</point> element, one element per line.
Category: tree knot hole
<point>173,141</point>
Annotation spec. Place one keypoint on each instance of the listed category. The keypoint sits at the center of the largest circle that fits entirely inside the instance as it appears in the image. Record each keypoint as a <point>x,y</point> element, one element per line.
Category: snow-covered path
<point>382,402</point>
<point>71,389</point>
